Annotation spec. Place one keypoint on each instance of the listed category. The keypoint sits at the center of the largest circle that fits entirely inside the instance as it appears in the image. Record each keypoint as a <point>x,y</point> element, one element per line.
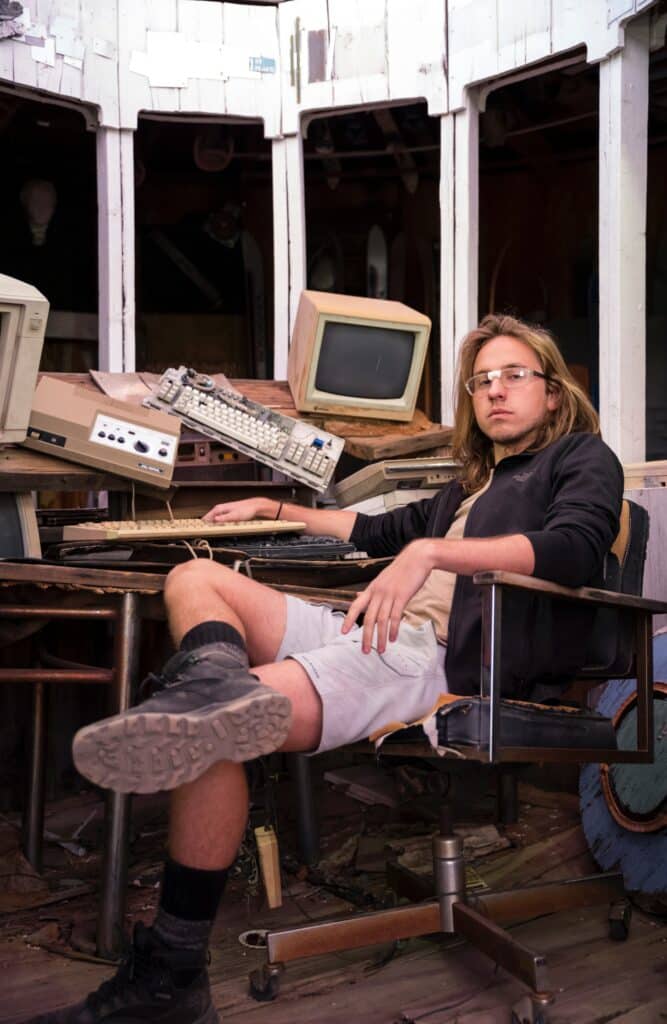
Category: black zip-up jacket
<point>566,499</point>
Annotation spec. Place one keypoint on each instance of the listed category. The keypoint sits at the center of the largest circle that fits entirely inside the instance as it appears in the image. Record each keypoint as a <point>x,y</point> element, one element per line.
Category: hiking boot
<point>144,989</point>
<point>206,707</point>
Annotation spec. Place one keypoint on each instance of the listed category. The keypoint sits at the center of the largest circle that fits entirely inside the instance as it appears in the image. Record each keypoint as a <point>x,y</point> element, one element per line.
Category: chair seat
<point>465,722</point>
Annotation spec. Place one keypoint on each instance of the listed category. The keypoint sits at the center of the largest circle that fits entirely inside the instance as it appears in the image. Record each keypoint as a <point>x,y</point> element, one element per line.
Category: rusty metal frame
<point>491,669</point>
<point>120,679</point>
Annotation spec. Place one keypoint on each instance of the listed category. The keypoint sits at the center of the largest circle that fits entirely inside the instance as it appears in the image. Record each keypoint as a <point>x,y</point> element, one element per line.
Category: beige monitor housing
<point>373,380</point>
<point>23,315</point>
<point>19,533</point>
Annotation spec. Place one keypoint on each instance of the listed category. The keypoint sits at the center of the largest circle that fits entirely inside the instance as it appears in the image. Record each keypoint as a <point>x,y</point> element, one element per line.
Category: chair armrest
<point>590,595</point>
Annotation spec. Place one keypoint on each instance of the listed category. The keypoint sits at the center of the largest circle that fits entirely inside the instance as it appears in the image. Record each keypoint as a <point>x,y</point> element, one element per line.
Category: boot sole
<point>146,752</point>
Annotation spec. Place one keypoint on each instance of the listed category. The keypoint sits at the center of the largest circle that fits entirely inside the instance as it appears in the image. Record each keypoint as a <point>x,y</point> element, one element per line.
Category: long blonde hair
<point>472,448</point>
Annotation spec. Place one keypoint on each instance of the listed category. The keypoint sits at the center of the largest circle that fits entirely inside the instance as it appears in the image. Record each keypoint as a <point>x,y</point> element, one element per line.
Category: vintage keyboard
<point>293,447</point>
<point>291,546</point>
<point>175,529</point>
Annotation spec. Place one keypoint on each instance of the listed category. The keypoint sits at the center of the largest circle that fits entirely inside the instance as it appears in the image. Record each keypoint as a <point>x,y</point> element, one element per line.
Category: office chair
<point>502,731</point>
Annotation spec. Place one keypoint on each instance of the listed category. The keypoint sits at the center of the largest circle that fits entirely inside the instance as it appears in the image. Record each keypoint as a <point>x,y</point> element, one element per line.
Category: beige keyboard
<point>175,529</point>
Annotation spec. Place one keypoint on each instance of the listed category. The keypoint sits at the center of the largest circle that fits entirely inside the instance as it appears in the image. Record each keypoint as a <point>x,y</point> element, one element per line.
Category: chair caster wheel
<point>620,915</point>
<point>530,1011</point>
<point>265,983</point>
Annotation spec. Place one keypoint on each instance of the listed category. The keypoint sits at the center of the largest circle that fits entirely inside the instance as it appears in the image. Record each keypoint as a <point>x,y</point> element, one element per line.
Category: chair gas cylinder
<point>448,870</point>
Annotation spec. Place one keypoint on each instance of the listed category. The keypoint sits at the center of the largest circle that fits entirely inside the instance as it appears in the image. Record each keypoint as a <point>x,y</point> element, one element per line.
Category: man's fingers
<point>382,625</point>
<point>354,611</point>
<point>394,623</point>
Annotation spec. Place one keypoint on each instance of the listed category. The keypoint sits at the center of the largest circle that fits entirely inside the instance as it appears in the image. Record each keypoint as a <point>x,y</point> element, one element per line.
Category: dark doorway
<point>373,214</point>
<point>538,209</point>
<point>49,225</point>
<point>204,247</point>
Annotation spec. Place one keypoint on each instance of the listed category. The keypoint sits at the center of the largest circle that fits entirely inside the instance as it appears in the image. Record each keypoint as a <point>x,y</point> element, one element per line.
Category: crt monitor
<point>353,356</point>
<point>23,315</point>
<point>19,534</point>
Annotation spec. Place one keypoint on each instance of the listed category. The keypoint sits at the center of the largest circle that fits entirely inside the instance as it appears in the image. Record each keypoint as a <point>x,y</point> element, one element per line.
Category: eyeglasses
<point>509,376</point>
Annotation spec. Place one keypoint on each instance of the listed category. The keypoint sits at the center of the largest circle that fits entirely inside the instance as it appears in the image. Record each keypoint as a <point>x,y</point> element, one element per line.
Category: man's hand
<point>383,601</point>
<point>241,511</point>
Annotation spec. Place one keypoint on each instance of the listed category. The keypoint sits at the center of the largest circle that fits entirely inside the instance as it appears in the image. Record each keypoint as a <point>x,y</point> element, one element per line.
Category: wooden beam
<point>115,220</point>
<point>466,216</point>
<point>395,145</point>
<point>447,234</point>
<point>280,268</point>
<point>459,233</point>
<point>622,243</point>
<point>289,242</point>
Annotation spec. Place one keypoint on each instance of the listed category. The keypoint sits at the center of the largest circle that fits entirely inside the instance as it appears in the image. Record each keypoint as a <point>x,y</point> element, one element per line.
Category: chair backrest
<point>610,648</point>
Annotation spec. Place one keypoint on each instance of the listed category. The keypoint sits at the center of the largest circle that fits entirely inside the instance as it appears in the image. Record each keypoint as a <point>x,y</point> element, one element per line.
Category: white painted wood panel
<point>115,200</point>
<point>447,246</point>
<point>654,500</point>
<point>210,70</point>
<point>252,33</point>
<point>95,82</point>
<point>109,251</point>
<point>289,243</point>
<point>466,217</point>
<point>353,53</point>
<point>622,243</point>
<point>493,37</point>
<point>202,24</point>
<point>281,330</point>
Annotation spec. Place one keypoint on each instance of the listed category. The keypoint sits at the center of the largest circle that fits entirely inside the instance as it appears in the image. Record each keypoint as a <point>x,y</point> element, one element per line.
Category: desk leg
<point>118,805</point>
<point>33,819</point>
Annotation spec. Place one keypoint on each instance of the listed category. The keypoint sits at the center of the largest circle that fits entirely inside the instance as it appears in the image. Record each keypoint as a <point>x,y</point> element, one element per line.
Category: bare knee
<point>195,577</point>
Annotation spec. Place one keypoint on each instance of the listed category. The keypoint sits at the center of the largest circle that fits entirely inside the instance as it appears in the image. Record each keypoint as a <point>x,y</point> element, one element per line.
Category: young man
<point>539,493</point>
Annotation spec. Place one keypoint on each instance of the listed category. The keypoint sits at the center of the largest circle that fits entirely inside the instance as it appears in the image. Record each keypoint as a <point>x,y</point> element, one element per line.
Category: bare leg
<point>203,591</point>
<point>208,816</point>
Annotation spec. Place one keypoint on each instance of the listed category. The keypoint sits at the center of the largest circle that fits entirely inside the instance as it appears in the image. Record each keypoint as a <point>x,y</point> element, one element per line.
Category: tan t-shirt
<point>434,600</point>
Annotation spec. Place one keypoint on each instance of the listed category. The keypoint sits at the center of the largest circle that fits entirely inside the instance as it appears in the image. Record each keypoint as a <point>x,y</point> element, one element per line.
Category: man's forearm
<point>513,553</point>
<point>323,521</point>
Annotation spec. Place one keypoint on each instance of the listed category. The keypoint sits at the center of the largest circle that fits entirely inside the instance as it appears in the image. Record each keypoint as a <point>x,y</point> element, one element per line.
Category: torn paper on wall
<point>104,48</point>
<point>360,51</point>
<point>45,54</point>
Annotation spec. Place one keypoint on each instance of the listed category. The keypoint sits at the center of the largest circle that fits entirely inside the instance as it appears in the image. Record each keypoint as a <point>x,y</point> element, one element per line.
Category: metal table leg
<point>118,805</point>
<point>33,819</point>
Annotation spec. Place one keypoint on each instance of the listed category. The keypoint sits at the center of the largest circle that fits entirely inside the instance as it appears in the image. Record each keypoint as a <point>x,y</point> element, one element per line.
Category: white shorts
<point>362,693</point>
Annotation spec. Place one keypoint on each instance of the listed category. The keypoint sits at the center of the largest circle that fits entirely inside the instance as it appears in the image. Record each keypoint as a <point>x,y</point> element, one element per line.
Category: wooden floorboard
<point>596,981</point>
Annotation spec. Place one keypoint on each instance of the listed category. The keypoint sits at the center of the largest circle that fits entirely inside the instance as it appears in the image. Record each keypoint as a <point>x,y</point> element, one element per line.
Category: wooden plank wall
<point>487,38</point>
<point>222,36</point>
<point>654,500</point>
<point>95,83</point>
<point>319,55</point>
<point>362,52</point>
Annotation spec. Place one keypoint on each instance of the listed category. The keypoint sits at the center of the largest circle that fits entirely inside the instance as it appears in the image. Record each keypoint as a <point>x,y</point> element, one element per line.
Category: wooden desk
<point>58,593</point>
<point>45,593</point>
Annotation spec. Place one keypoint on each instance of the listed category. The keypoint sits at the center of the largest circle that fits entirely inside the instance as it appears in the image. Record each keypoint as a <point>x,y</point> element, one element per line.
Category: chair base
<point>479,919</point>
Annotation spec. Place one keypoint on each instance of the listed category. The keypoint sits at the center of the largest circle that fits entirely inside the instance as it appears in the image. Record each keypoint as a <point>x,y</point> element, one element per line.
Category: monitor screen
<point>364,361</point>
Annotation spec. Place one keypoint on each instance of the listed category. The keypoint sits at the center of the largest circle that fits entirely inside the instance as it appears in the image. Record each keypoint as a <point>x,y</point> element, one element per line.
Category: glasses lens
<point>510,376</point>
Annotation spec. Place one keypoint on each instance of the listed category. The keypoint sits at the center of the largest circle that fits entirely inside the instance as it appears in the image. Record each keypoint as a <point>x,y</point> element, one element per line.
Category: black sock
<point>210,633</point>
<point>189,901</point>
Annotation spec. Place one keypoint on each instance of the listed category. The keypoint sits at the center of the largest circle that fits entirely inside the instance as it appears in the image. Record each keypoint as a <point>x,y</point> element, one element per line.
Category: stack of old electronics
<point>349,356</point>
